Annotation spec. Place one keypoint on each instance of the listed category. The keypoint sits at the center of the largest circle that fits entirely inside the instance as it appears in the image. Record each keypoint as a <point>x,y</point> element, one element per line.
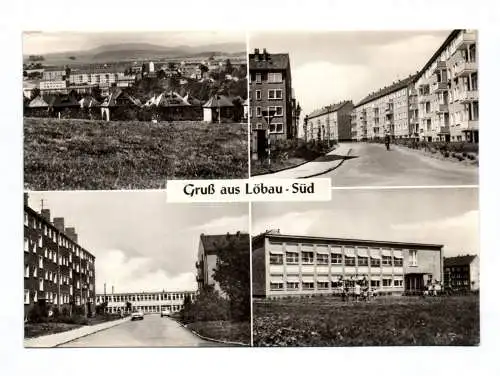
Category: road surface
<point>373,165</point>
<point>153,331</point>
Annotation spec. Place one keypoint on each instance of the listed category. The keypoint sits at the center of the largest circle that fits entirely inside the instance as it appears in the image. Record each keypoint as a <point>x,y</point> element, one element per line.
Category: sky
<point>140,242</point>
<point>328,67</point>
<point>438,216</point>
<point>39,43</point>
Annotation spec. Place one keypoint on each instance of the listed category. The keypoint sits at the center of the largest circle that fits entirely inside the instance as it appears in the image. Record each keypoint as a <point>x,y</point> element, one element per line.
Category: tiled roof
<point>38,102</point>
<point>110,100</point>
<point>218,101</point>
<point>459,260</point>
<point>273,62</point>
<point>327,109</point>
<point>387,90</point>
<point>212,243</point>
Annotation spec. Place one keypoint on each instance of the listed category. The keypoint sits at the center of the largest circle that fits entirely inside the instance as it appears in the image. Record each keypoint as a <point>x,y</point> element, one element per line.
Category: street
<point>373,165</point>
<point>153,331</point>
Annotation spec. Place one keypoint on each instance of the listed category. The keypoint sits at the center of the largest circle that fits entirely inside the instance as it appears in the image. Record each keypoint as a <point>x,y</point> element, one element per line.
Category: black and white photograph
<point>129,110</point>
<point>126,269</point>
<point>369,268</point>
<point>365,108</point>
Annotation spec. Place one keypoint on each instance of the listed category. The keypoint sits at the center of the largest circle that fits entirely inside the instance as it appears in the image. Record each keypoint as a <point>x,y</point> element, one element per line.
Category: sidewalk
<point>329,162</point>
<point>53,340</point>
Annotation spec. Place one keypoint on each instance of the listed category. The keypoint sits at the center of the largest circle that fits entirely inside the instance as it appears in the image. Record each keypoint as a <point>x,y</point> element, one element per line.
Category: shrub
<point>446,154</point>
<point>471,156</point>
<point>38,313</point>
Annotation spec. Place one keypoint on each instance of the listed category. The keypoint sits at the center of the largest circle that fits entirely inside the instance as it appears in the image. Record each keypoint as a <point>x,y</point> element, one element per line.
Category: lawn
<point>82,154</point>
<point>223,330</point>
<point>383,322</point>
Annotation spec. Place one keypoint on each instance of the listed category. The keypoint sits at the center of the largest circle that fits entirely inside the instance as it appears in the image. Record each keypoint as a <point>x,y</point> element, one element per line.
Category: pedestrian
<point>387,141</point>
<point>357,291</point>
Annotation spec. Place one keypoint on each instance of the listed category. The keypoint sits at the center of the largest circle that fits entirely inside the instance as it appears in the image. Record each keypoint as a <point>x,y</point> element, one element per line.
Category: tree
<point>171,66</point>
<point>96,93</point>
<point>25,74</point>
<point>232,272</point>
<point>72,58</point>
<point>35,93</point>
<point>161,74</point>
<point>229,67</point>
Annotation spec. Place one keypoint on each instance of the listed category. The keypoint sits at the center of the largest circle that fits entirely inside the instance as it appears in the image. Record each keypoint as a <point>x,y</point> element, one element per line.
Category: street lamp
<point>268,115</point>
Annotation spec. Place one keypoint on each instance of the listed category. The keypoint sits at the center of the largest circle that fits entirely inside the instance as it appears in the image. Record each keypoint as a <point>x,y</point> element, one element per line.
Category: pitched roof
<point>279,61</point>
<point>110,100</point>
<point>212,243</point>
<point>172,99</point>
<point>89,101</point>
<point>459,260</point>
<point>218,101</point>
<point>387,90</point>
<point>328,109</point>
<point>65,101</point>
<point>38,102</point>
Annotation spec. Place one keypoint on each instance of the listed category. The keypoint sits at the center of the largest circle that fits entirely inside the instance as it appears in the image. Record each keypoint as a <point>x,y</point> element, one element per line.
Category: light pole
<point>268,115</point>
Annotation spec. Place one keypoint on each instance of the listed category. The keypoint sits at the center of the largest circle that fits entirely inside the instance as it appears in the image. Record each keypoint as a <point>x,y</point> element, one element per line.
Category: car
<point>137,315</point>
<point>164,312</point>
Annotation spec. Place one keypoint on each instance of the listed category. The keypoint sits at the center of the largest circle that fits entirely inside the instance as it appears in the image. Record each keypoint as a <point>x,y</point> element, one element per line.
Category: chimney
<point>70,233</point>
<point>256,51</point>
<point>59,223</point>
<point>26,198</point>
<point>45,214</point>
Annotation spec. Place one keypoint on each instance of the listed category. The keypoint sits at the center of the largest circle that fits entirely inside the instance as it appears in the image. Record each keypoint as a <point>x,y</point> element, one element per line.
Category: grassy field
<point>223,330</point>
<point>81,154</point>
<point>383,322</point>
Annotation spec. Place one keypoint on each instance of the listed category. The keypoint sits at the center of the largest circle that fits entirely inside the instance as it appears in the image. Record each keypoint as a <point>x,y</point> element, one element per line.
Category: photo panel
<point>129,110</point>
<point>365,108</point>
<point>370,268</point>
<point>126,269</point>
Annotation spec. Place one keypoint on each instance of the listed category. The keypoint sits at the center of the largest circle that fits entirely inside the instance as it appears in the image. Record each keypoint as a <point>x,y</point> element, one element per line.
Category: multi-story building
<point>148,302</point>
<point>287,265</point>
<point>386,112</point>
<point>331,123</point>
<point>461,272</point>
<point>271,104</point>
<point>53,74</point>
<point>52,85</point>
<point>208,250</point>
<point>96,76</point>
<point>448,91</point>
<point>57,270</point>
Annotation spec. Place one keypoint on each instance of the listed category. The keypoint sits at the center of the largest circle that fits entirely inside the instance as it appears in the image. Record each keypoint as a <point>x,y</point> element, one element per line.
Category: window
<point>40,261</point>
<point>398,283</point>
<point>413,258</point>
<point>350,261</point>
<point>386,282</point>
<point>35,296</point>
<point>292,258</point>
<point>398,262</point>
<point>374,283</point>
<point>26,245</point>
<point>35,271</point>
<point>323,285</point>
<point>375,262</point>
<point>258,95</point>
<point>258,78</point>
<point>308,285</point>
<point>307,257</point>
<point>274,77</point>
<point>26,296</point>
<point>276,128</point>
<point>39,242</point>
<point>40,284</point>
<point>336,259</point>
<point>276,259</point>
<point>386,260</point>
<point>25,219</point>
<point>362,261</point>
<point>278,110</point>
<point>275,94</point>
<point>292,285</point>
<point>276,285</point>
<point>322,259</point>
<point>258,111</point>
<point>26,271</point>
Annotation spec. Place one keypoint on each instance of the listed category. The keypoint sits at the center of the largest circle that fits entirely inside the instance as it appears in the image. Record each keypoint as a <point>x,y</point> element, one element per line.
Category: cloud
<point>468,220</point>
<point>223,225</point>
<point>130,274</point>
<point>296,223</point>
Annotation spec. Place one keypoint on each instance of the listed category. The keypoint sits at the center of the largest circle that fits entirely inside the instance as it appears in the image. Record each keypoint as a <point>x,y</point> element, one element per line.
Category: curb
<point>430,155</point>
<point>208,338</point>
<point>328,170</point>
<point>289,167</point>
<point>115,322</point>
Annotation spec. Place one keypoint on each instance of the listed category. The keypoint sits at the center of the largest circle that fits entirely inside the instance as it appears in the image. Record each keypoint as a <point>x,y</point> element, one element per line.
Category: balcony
<point>464,68</point>
<point>413,120</point>
<point>412,92</point>
<point>470,125</point>
<point>439,87</point>
<point>389,122</point>
<point>468,96</point>
<point>440,65</point>
<point>465,39</point>
<point>444,130</point>
<point>413,106</point>
<point>442,108</point>
<point>389,110</point>
<point>423,98</point>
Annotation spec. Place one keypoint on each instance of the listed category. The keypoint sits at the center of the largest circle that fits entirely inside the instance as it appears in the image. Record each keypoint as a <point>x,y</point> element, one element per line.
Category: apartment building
<point>447,87</point>
<point>208,251</point>
<point>461,273</point>
<point>271,108</point>
<point>52,85</point>
<point>53,74</point>
<point>386,112</point>
<point>331,123</point>
<point>288,265</point>
<point>96,76</point>
<point>148,302</point>
<point>57,270</point>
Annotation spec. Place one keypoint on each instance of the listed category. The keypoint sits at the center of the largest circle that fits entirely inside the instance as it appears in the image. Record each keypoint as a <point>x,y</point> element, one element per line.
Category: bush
<point>38,313</point>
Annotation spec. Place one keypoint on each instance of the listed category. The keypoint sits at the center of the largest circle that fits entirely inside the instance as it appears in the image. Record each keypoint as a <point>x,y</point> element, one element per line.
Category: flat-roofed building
<point>331,123</point>
<point>289,265</point>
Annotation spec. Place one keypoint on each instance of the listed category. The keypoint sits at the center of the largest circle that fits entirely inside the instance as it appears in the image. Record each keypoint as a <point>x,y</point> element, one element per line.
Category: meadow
<point>82,154</point>
<point>391,321</point>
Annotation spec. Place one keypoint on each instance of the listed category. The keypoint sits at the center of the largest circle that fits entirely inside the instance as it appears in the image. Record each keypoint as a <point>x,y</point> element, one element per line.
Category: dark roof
<point>458,260</point>
<point>269,61</point>
<point>110,101</point>
<point>346,240</point>
<point>447,41</point>
<point>328,109</point>
<point>212,243</point>
<point>218,101</point>
<point>387,90</point>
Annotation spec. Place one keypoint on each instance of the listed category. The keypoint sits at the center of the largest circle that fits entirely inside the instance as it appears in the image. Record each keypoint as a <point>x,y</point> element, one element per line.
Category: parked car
<point>164,312</point>
<point>137,315</point>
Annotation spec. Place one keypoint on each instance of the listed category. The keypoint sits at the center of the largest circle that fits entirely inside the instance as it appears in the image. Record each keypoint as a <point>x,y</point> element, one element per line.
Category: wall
<point>258,270</point>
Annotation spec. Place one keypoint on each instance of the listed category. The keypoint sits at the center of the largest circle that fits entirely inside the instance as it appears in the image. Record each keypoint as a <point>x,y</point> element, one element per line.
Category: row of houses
<point>438,103</point>
<point>166,105</point>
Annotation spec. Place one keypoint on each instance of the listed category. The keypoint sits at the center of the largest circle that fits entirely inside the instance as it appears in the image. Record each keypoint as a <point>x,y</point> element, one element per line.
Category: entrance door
<point>414,283</point>
<point>261,143</point>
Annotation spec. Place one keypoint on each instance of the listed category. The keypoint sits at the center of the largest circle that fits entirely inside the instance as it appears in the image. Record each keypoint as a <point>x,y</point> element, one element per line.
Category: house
<point>117,99</point>
<point>461,273</point>
<point>330,123</point>
<point>218,107</point>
